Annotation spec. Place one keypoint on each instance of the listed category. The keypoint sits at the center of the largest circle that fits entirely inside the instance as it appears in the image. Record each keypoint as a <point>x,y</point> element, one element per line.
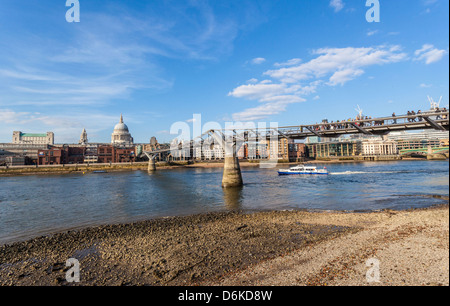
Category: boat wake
<point>361,172</point>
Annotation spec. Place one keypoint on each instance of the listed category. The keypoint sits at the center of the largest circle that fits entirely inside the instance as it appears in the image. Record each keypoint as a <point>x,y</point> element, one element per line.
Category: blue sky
<point>159,62</point>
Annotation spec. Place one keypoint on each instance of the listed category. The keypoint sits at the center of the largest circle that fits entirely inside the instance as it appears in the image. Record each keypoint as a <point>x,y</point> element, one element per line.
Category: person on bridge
<point>395,120</point>
<point>420,117</point>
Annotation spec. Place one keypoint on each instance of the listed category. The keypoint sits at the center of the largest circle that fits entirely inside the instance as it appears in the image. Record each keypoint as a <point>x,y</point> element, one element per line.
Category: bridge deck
<point>374,126</point>
<point>368,128</point>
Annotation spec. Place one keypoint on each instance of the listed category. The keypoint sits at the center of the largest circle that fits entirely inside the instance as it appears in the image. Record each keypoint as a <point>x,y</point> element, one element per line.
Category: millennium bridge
<point>232,139</point>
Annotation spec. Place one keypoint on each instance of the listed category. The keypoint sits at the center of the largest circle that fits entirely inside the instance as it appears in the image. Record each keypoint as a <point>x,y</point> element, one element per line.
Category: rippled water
<point>31,206</point>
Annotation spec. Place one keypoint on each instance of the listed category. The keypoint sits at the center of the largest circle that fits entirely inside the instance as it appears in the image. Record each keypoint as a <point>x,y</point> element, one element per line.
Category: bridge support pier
<point>232,176</point>
<point>151,164</point>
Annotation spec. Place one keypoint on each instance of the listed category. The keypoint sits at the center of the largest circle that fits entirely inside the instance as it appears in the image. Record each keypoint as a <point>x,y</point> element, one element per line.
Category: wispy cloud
<point>338,5</point>
<point>423,85</point>
<point>66,127</point>
<point>23,75</point>
<point>258,60</point>
<point>116,56</point>
<point>429,54</point>
<point>291,62</point>
<point>113,53</point>
<point>265,110</point>
<point>429,2</point>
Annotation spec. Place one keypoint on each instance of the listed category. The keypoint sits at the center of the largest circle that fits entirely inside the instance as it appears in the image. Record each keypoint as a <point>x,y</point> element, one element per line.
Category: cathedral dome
<point>121,127</point>
<point>121,134</point>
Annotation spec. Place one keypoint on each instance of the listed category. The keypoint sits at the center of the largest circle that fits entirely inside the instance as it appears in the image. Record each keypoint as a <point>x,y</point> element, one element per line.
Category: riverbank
<point>142,166</point>
<point>85,168</point>
<point>263,248</point>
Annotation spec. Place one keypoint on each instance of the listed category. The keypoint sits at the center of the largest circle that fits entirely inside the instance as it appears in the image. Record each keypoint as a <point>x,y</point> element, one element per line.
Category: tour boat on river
<point>302,169</point>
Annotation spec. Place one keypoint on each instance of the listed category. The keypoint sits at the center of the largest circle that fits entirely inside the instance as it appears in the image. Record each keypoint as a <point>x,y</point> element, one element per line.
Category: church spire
<point>121,119</point>
<point>83,138</point>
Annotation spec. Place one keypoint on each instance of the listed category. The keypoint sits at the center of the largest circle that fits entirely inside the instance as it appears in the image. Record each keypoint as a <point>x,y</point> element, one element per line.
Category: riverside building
<point>33,138</point>
<point>379,147</point>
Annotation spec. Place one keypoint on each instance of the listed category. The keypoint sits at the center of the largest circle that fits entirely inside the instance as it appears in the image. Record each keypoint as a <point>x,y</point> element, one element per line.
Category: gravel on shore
<point>238,248</point>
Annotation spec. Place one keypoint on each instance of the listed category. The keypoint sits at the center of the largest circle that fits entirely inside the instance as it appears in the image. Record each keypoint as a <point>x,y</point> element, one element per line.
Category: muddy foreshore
<point>213,248</point>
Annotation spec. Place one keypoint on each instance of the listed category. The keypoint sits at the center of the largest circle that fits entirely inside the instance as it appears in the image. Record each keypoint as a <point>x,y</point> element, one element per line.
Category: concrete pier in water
<point>232,176</point>
<point>151,165</point>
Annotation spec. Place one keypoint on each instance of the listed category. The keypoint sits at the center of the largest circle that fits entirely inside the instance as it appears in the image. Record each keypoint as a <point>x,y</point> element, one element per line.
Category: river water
<point>32,206</point>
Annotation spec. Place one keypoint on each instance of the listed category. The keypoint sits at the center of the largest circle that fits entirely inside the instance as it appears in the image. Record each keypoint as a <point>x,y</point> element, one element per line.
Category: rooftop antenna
<point>359,111</point>
<point>433,104</point>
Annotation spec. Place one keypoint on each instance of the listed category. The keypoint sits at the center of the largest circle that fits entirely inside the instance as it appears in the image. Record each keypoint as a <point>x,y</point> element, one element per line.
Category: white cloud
<point>429,54</point>
<point>291,62</point>
<point>258,60</point>
<point>295,80</point>
<point>371,33</point>
<point>343,76</point>
<point>266,109</point>
<point>260,91</point>
<point>423,85</point>
<point>337,5</point>
<point>339,62</point>
<point>274,98</point>
<point>9,116</point>
<point>266,82</point>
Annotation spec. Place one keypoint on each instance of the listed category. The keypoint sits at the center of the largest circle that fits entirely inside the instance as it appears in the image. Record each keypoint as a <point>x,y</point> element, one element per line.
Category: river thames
<point>32,206</point>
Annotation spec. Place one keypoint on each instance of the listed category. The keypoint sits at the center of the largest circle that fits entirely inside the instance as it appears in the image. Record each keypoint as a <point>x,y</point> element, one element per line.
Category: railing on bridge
<point>369,126</point>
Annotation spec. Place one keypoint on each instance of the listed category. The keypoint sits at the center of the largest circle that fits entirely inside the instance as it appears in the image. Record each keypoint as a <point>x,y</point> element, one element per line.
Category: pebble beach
<point>280,248</point>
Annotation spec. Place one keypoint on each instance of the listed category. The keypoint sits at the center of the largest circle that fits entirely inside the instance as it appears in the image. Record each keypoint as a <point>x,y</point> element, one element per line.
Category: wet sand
<point>263,248</point>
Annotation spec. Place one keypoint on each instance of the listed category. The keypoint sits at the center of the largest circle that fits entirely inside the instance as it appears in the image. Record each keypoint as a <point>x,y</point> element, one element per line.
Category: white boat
<point>302,169</point>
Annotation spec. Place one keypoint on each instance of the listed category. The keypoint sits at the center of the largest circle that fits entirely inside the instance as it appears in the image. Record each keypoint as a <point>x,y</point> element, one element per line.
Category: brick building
<point>111,154</point>
<point>297,152</point>
<point>101,153</point>
<point>61,155</point>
